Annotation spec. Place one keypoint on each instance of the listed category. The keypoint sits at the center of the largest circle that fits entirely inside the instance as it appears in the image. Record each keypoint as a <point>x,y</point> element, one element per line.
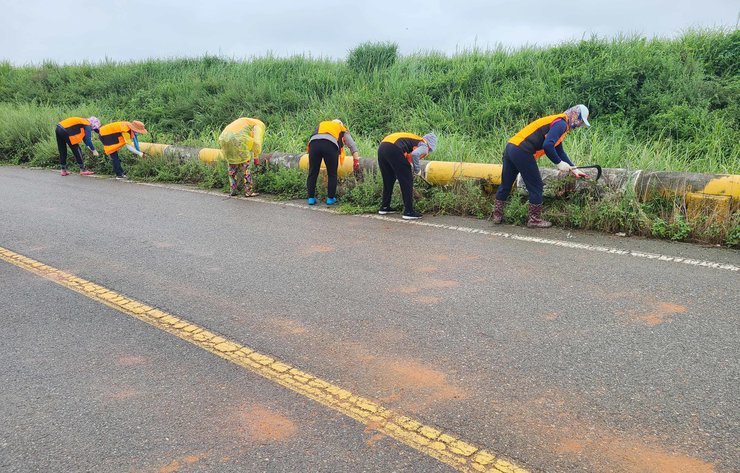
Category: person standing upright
<point>327,143</point>
<point>398,159</point>
<point>542,136</point>
<point>71,132</point>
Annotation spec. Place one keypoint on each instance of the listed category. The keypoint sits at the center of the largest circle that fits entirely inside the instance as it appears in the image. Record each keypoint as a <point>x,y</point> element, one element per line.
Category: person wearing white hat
<point>398,159</point>
<point>541,137</point>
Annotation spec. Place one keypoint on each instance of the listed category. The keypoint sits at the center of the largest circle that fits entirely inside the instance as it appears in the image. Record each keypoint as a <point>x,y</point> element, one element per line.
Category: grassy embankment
<point>656,105</point>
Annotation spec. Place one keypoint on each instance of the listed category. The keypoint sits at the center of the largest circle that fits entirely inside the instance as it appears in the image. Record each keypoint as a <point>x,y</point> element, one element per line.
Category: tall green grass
<point>661,104</point>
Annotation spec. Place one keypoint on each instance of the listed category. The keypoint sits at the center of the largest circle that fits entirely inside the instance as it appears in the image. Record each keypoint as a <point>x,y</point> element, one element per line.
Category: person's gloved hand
<point>564,167</point>
<point>95,153</point>
<point>356,165</point>
<point>578,174</point>
<point>256,160</point>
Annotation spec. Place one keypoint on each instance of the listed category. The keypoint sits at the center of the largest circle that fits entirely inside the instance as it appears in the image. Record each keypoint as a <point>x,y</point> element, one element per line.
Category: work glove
<point>356,165</point>
<point>564,167</point>
<point>256,161</point>
<point>95,153</point>
<point>578,174</point>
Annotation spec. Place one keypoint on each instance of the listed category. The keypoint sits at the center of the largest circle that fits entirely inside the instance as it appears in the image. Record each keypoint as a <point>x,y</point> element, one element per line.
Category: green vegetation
<point>663,104</point>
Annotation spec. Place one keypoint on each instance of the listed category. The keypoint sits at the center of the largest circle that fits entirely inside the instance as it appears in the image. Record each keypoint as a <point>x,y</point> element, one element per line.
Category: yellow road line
<point>445,447</point>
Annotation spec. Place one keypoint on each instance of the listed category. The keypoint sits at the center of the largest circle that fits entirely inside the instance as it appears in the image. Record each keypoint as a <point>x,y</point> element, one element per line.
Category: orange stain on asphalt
<point>265,425</point>
<point>406,290</point>
<point>440,283</point>
<point>131,360</point>
<point>175,465</point>
<point>551,316</point>
<point>427,299</point>
<point>662,312</point>
<point>122,394</point>
<point>288,326</point>
<point>313,249</point>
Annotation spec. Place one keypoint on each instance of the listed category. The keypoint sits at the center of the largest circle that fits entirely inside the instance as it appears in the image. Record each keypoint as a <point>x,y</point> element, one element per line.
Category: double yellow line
<point>447,448</point>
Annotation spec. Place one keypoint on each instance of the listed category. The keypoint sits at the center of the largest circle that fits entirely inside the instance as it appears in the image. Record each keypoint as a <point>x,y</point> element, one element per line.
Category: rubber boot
<point>535,217</point>
<point>498,211</point>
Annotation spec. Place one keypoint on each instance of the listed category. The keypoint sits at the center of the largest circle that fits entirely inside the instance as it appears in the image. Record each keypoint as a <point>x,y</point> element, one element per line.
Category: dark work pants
<point>394,165</point>
<point>517,161</point>
<point>329,152</point>
<point>62,143</point>
<point>116,163</point>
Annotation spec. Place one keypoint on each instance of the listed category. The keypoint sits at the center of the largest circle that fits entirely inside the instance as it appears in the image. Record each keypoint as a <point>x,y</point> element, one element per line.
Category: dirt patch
<point>440,258</point>
<point>372,427</point>
<point>570,446</point>
<point>428,299</point>
<point>313,249</point>
<point>440,283</point>
<point>662,312</point>
<point>550,316</point>
<point>131,360</point>
<point>122,394</point>
<point>288,326</point>
<point>406,290</point>
<point>175,465</point>
<point>262,424</point>
<point>590,444</point>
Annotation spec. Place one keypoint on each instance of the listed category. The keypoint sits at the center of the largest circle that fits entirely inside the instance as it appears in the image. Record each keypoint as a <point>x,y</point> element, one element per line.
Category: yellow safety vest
<point>75,128</point>
<point>532,137</point>
<point>408,142</point>
<point>112,136</point>
<point>334,129</point>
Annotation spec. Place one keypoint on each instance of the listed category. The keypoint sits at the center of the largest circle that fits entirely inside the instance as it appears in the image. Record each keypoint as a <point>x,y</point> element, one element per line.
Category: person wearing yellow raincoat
<point>241,144</point>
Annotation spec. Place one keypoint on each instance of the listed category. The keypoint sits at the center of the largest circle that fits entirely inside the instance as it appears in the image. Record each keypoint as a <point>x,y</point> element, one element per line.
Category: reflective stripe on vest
<point>408,142</point>
<point>75,128</point>
<point>112,136</point>
<point>532,137</point>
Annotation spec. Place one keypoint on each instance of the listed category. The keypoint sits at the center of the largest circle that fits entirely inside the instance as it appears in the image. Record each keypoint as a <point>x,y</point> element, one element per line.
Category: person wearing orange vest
<point>541,137</point>
<point>398,155</point>
<point>71,132</point>
<point>115,136</point>
<point>241,144</point>
<point>327,143</point>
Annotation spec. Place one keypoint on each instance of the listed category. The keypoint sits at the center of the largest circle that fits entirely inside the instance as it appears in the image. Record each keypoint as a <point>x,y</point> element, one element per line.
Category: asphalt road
<point>559,358</point>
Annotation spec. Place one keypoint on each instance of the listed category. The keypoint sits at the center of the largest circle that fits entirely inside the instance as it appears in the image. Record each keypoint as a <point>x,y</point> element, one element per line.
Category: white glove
<point>95,153</point>
<point>563,166</point>
<point>578,174</point>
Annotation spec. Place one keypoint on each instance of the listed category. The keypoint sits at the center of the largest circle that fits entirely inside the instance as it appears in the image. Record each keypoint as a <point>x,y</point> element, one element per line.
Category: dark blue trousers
<point>518,161</point>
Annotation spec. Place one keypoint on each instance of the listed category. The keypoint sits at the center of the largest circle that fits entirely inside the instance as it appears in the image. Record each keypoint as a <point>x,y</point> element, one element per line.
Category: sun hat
<point>137,126</point>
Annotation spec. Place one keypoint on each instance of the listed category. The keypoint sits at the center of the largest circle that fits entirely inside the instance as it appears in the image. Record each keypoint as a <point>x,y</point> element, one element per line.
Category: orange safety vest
<point>334,129</point>
<point>532,137</point>
<point>75,128</point>
<point>408,142</point>
<point>112,136</point>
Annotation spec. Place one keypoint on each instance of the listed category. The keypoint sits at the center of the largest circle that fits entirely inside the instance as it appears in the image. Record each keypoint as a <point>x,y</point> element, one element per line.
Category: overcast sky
<point>34,30</point>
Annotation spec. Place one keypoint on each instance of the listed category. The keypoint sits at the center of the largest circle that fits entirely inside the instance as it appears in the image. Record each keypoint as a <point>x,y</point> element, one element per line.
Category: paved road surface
<point>555,354</point>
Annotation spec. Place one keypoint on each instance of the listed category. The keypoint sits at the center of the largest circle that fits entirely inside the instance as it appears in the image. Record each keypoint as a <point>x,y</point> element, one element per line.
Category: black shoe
<point>122,176</point>
<point>413,215</point>
<point>387,210</point>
